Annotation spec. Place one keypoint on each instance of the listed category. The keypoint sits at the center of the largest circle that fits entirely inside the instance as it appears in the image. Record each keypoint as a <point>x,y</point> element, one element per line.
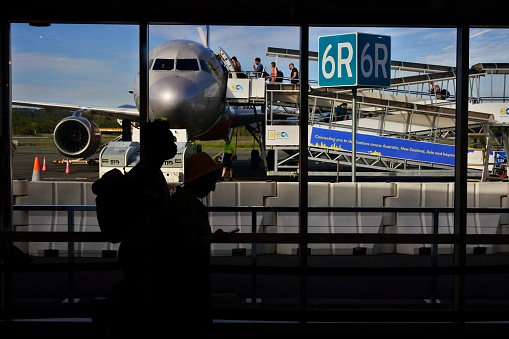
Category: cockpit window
<point>209,67</point>
<point>187,65</point>
<point>204,66</point>
<point>163,64</point>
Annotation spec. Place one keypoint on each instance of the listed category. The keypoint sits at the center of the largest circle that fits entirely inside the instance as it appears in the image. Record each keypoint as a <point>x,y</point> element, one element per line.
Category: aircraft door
<point>227,61</point>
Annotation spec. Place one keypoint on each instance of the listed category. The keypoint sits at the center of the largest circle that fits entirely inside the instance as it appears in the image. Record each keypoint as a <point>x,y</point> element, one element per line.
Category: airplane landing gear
<point>255,159</point>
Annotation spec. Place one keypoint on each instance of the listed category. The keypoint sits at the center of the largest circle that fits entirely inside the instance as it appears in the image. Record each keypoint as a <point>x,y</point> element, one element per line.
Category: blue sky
<point>96,64</point>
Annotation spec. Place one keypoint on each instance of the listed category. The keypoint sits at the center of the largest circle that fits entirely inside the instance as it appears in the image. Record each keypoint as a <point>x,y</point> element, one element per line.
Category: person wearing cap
<point>189,244</point>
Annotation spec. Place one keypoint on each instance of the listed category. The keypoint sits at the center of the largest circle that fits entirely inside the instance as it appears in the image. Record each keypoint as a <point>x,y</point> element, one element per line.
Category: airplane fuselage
<point>187,87</point>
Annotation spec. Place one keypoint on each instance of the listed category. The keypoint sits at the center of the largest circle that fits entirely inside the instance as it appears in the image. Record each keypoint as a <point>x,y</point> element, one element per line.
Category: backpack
<point>280,75</point>
<point>112,205</point>
<point>445,94</point>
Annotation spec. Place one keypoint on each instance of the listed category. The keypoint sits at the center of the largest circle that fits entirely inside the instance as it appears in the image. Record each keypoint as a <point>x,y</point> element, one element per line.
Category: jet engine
<point>77,137</point>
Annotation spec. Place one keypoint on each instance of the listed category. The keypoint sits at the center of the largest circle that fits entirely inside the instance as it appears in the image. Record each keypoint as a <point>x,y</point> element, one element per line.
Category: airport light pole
<point>354,130</point>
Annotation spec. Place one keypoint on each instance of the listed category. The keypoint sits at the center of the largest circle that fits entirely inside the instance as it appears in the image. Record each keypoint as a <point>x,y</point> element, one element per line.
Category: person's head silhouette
<point>201,173</point>
<point>157,141</point>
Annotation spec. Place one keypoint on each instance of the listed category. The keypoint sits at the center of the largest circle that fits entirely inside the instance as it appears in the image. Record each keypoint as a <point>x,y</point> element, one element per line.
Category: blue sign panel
<point>354,59</point>
<point>499,157</point>
<point>337,55</point>
<point>383,146</point>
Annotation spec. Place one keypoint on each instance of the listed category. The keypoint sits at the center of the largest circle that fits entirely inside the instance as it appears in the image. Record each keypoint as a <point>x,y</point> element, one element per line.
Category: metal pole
<point>460,183</point>
<point>6,126</point>
<point>303,173</point>
<point>354,130</point>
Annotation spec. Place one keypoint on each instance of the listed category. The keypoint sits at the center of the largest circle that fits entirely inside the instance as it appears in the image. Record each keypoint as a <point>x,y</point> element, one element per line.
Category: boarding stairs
<point>406,110</point>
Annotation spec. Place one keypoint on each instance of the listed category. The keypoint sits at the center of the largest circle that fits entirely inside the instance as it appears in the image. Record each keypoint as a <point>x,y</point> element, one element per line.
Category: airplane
<point>187,86</point>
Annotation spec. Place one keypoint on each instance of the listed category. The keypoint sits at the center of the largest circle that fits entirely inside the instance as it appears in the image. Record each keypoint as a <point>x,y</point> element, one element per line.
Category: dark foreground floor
<point>87,330</point>
<point>371,295</point>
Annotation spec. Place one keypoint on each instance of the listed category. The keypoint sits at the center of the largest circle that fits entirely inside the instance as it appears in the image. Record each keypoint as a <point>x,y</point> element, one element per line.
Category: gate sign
<point>354,59</point>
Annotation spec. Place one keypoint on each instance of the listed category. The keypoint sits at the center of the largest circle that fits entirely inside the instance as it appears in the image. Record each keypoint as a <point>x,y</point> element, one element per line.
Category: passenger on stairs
<point>259,69</point>
<point>236,64</point>
<point>439,94</point>
<point>273,72</point>
<point>341,113</point>
<point>294,73</point>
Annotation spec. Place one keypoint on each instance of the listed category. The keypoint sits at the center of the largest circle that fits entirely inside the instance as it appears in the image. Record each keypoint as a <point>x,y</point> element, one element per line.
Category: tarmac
<point>56,167</point>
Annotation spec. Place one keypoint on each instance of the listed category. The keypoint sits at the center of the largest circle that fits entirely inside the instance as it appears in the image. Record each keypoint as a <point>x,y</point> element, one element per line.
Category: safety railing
<point>248,286</point>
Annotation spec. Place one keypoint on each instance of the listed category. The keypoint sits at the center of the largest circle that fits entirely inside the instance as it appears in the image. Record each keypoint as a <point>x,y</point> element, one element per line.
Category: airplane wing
<point>76,136</point>
<point>128,113</point>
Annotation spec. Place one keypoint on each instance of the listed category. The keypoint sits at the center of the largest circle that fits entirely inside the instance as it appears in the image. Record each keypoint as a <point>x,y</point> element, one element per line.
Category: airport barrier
<point>57,193</point>
<point>333,209</point>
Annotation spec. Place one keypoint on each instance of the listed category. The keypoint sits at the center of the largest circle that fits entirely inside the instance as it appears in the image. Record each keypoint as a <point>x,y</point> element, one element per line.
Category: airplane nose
<point>170,95</point>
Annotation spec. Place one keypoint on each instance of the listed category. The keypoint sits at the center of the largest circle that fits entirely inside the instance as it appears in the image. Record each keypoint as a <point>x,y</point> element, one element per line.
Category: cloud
<point>97,63</point>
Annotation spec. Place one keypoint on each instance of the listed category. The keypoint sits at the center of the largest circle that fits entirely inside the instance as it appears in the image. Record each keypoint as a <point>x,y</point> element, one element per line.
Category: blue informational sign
<point>499,157</point>
<point>354,59</point>
<point>383,146</point>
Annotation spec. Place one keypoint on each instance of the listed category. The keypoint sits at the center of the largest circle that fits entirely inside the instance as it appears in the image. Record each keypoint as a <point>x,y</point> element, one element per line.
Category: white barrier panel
<point>61,193</point>
<point>239,194</point>
<point>360,195</point>
<point>336,194</point>
<point>286,222</point>
<point>504,227</point>
<point>19,192</point>
<point>486,194</point>
<point>421,195</point>
<point>490,194</point>
<point>319,222</point>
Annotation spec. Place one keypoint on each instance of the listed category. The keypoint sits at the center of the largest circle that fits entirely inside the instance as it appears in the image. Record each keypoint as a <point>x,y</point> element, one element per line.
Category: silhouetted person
<point>141,255</point>
<point>189,244</point>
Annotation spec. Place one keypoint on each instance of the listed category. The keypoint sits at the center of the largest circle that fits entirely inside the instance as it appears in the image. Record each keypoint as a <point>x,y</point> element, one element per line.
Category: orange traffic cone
<point>44,164</point>
<point>67,167</point>
<point>36,174</point>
